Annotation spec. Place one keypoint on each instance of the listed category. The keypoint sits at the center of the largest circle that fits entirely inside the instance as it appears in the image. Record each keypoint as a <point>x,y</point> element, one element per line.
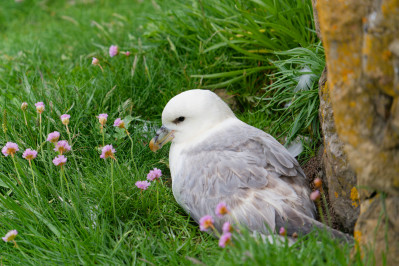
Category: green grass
<point>45,55</point>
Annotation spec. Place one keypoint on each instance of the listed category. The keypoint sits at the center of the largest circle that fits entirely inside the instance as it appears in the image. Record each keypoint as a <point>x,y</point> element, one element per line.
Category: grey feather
<point>250,171</point>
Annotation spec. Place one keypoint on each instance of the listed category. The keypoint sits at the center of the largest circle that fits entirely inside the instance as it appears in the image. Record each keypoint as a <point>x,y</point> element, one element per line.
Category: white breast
<point>176,160</point>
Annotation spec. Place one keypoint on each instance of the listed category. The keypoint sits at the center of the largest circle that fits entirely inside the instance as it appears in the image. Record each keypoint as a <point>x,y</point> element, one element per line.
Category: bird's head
<point>189,115</point>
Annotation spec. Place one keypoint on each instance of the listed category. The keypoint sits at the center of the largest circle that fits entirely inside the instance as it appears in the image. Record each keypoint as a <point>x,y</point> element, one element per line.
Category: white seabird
<point>215,157</point>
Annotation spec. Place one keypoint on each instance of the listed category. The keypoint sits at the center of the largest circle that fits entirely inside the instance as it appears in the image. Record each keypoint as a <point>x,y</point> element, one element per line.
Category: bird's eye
<point>179,119</point>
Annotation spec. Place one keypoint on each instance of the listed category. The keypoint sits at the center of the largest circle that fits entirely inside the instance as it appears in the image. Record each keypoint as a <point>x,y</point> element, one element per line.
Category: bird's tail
<point>301,224</point>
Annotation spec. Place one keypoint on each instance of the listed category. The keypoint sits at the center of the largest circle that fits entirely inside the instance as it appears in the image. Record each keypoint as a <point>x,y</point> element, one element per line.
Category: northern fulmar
<point>215,157</point>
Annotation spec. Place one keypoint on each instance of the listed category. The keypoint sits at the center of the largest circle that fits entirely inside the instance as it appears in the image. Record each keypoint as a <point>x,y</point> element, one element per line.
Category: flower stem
<point>62,183</point>
<point>33,180</point>
<point>19,177</point>
<point>72,149</point>
<point>215,230</point>
<point>321,212</point>
<point>26,122</point>
<point>326,208</point>
<point>102,132</point>
<point>159,211</point>
<point>112,187</point>
<point>16,169</point>
<point>131,150</point>
<point>41,137</point>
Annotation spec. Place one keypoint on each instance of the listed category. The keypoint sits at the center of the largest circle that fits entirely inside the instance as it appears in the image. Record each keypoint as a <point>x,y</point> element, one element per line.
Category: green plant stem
<point>112,188</point>
<point>159,211</point>
<point>41,137</point>
<point>62,183</point>
<point>102,132</point>
<point>131,150</point>
<point>72,149</point>
<point>326,207</point>
<point>33,180</point>
<point>19,177</point>
<point>70,197</point>
<point>26,122</point>
<point>320,212</point>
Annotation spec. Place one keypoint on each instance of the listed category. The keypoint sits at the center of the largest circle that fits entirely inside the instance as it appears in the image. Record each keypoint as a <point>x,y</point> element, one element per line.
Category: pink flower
<point>53,137</point>
<point>127,53</point>
<point>317,183</point>
<point>282,231</point>
<point>206,222</point>
<point>221,209</point>
<point>227,227</point>
<point>119,123</point>
<point>108,152</point>
<point>225,239</point>
<point>95,61</point>
<point>29,154</point>
<point>24,105</point>
<point>62,146</point>
<point>10,236</point>
<point>102,118</point>
<point>315,195</point>
<point>154,174</point>
<point>39,107</point>
<point>10,149</point>
<point>113,50</point>
<point>143,185</point>
<point>65,119</point>
<point>60,160</point>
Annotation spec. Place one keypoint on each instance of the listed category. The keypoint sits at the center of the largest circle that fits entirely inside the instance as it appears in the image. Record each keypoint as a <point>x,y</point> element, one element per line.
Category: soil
<point>314,169</point>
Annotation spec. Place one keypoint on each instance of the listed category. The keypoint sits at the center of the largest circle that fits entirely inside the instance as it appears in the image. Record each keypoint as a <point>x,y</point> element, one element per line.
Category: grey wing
<point>251,172</point>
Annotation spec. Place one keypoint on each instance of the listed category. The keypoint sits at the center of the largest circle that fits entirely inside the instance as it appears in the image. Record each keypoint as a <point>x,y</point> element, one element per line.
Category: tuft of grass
<point>246,46</point>
<point>293,94</point>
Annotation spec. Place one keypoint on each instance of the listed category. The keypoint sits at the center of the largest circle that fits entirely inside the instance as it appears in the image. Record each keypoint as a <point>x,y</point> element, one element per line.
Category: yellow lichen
<point>336,194</point>
<point>355,197</point>
<point>357,235</point>
<point>386,55</point>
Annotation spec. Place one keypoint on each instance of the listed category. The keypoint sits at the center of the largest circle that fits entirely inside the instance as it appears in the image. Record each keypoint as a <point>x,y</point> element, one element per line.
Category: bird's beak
<point>164,135</point>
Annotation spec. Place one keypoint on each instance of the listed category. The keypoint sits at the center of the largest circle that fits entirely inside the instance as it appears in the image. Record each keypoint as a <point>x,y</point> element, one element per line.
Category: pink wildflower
<point>221,209</point>
<point>102,118</point>
<point>95,61</point>
<point>206,222</point>
<point>315,195</point>
<point>127,53</point>
<point>225,239</point>
<point>65,119</point>
<point>10,149</point>
<point>108,152</point>
<point>119,123</point>
<point>24,105</point>
<point>53,137</point>
<point>317,183</point>
<point>62,146</point>
<point>113,50</point>
<point>10,236</point>
<point>60,160</point>
<point>154,174</point>
<point>39,107</point>
<point>29,154</point>
<point>227,227</point>
<point>143,185</point>
<point>282,231</point>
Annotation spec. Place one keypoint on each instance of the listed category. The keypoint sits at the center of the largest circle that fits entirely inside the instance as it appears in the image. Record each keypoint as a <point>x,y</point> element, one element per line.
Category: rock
<point>360,39</point>
<point>339,176</point>
<point>377,225</point>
